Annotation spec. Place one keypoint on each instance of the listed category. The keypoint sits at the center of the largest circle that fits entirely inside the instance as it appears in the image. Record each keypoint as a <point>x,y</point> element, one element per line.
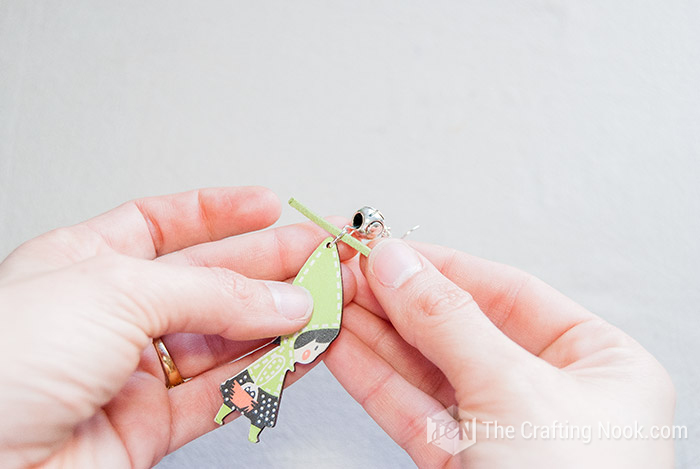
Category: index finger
<point>153,226</point>
<point>150,227</point>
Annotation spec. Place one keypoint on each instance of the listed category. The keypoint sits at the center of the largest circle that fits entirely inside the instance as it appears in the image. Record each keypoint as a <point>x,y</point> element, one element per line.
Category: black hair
<point>322,336</point>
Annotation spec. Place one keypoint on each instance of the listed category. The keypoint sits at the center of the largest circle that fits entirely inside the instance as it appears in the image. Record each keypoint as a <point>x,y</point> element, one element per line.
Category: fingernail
<point>394,262</point>
<point>291,301</point>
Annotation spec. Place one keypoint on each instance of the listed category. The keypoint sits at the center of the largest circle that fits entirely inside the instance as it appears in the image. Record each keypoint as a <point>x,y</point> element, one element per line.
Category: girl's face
<point>309,352</point>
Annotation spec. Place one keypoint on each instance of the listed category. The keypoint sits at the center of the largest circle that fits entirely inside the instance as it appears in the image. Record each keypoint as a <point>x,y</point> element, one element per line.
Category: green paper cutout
<point>332,229</point>
<point>256,391</point>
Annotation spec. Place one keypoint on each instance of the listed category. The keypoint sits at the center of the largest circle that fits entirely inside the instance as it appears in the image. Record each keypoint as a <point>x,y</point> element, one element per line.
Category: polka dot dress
<point>264,414</point>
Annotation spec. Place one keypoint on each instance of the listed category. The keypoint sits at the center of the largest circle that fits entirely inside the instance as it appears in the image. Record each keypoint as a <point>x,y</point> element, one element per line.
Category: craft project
<point>256,391</point>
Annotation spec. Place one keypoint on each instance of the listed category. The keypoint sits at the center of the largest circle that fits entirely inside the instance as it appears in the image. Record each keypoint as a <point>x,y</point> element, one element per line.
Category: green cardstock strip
<point>332,229</point>
<point>256,391</point>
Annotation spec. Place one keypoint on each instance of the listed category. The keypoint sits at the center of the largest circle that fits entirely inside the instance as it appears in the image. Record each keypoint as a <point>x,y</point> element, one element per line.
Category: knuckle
<point>443,300</point>
<point>235,285</point>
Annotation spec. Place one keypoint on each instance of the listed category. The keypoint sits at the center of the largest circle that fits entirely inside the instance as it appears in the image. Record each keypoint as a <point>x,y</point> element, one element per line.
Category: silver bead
<point>369,222</point>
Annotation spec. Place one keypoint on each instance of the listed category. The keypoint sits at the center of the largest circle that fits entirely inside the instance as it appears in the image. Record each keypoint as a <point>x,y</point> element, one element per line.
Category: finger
<point>526,309</point>
<point>188,408</point>
<point>152,226</point>
<point>196,353</point>
<point>364,296</point>
<point>196,402</point>
<point>397,406</point>
<point>161,299</point>
<point>274,254</point>
<point>441,320</point>
<point>381,337</point>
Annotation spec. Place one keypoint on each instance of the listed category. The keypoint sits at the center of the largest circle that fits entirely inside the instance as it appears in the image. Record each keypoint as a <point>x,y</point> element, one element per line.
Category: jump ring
<point>346,229</point>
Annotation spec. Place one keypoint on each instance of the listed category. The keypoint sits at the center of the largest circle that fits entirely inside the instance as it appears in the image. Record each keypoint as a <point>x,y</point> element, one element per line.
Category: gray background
<point>561,137</point>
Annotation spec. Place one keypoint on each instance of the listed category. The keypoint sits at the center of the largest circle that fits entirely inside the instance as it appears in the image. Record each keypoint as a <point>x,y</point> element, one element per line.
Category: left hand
<point>79,307</point>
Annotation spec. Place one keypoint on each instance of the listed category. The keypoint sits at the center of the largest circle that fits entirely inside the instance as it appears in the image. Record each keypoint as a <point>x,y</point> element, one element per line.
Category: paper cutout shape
<point>256,391</point>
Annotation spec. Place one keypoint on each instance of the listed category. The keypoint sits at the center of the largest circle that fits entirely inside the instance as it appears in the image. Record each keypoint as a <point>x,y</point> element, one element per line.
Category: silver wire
<point>410,231</point>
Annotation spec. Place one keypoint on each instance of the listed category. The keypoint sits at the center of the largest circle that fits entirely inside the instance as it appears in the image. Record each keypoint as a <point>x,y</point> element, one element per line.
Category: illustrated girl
<point>256,391</point>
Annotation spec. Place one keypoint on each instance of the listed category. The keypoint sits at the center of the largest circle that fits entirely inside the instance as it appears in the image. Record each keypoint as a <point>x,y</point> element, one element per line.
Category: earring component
<point>332,229</point>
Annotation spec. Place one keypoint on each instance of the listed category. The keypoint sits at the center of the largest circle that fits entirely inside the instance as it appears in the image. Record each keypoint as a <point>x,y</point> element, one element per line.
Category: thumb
<point>163,298</point>
<point>437,317</point>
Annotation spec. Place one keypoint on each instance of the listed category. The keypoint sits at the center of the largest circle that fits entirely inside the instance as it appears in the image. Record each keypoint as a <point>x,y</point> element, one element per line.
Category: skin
<point>502,346</point>
<point>83,386</point>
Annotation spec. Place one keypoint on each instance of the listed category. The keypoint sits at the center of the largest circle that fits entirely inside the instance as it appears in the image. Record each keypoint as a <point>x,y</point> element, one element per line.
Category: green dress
<point>263,380</point>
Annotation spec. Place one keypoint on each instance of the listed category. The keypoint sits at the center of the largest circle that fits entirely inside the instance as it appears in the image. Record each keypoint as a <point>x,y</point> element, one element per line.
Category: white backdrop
<point>561,137</point>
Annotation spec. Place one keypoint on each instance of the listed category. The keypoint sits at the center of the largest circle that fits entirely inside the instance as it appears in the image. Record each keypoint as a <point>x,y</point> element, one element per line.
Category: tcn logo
<point>450,433</point>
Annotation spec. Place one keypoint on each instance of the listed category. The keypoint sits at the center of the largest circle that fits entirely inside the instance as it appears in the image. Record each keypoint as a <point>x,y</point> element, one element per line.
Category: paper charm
<point>256,391</point>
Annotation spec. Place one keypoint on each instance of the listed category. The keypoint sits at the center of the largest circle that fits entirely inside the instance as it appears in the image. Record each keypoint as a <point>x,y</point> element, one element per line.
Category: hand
<point>502,346</point>
<point>82,385</point>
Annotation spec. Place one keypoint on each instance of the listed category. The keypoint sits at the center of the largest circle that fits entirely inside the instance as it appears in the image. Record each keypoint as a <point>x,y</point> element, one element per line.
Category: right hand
<point>431,327</point>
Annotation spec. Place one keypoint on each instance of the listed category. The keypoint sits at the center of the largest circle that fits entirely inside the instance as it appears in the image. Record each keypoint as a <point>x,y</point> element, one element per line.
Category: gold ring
<point>172,375</point>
